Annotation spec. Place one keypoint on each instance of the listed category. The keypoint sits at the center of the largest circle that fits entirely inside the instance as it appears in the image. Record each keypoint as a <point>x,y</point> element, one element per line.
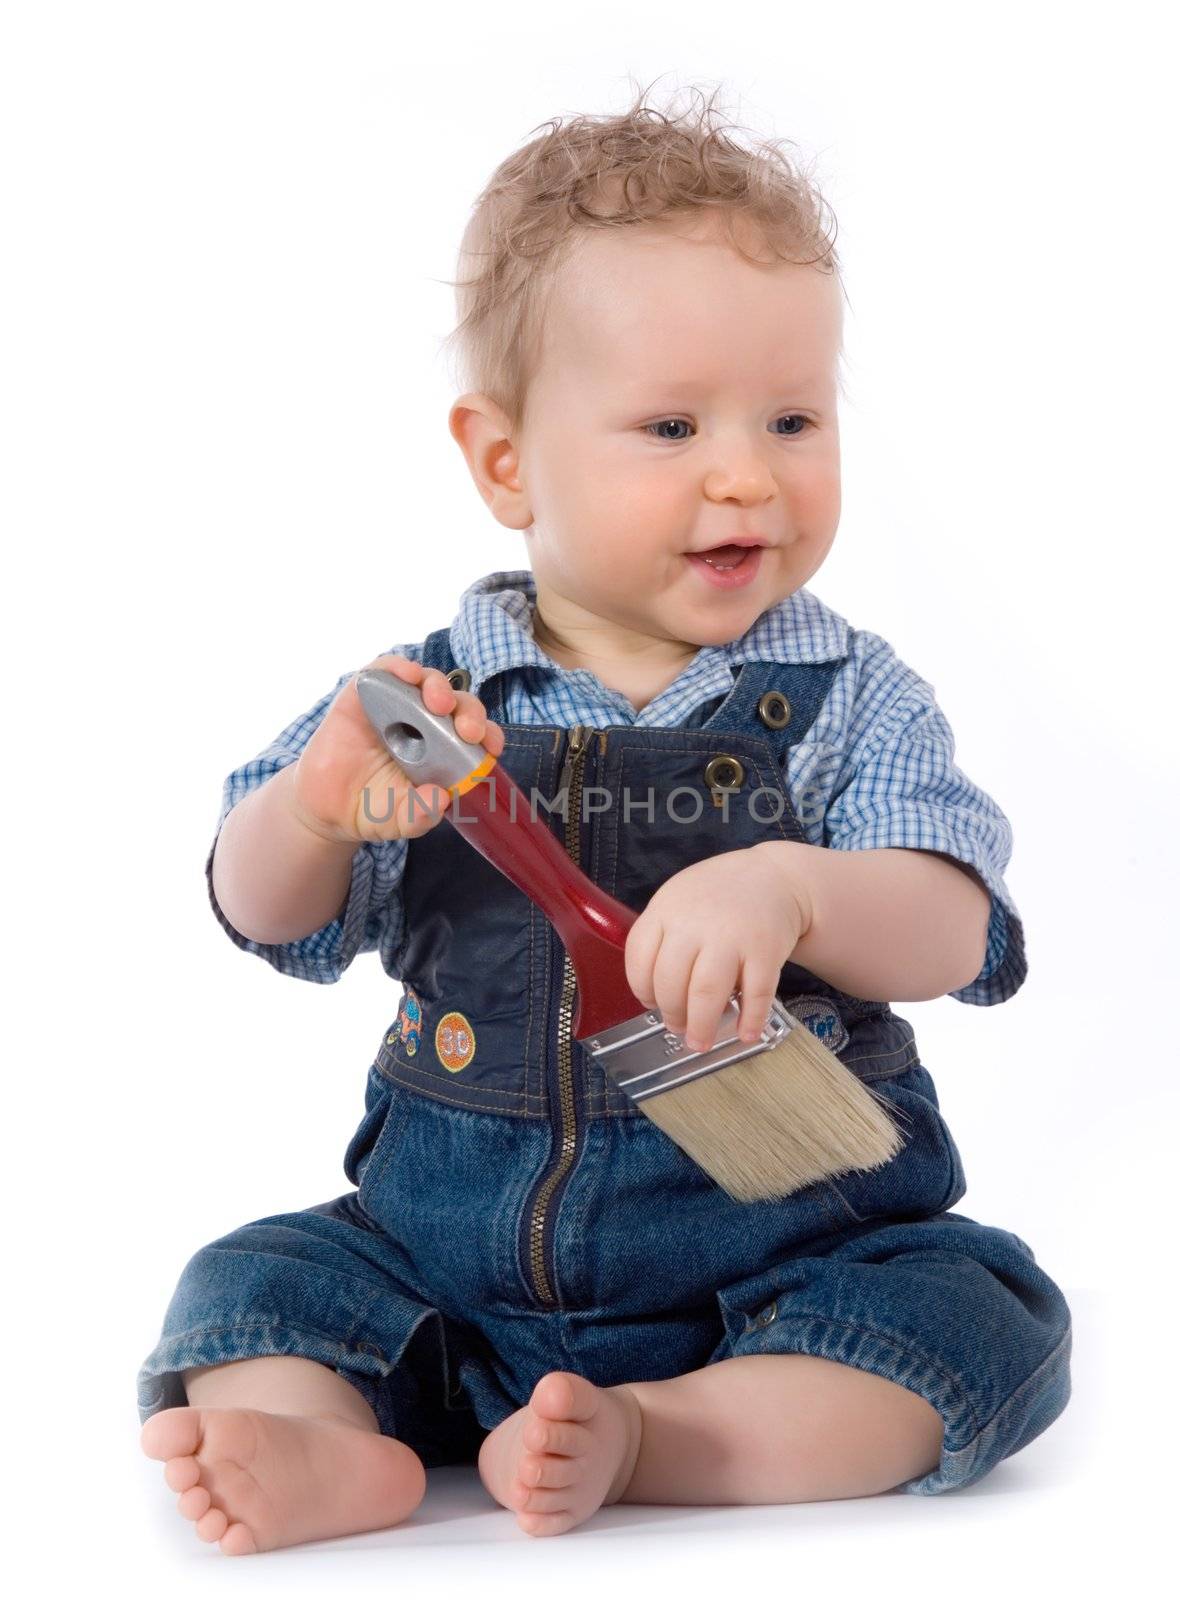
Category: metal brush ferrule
<point>642,1055</point>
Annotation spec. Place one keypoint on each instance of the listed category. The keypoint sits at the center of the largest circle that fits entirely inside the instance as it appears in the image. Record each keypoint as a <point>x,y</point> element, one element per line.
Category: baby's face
<point>685,397</point>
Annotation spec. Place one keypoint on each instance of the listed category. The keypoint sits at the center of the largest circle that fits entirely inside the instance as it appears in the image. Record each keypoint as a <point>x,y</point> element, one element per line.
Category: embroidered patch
<point>409,1022</point>
<point>454,1041</point>
<point>821,1016</point>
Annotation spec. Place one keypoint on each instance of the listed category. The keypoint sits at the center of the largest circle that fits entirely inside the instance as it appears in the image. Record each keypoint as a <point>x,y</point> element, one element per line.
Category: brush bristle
<point>775,1122</point>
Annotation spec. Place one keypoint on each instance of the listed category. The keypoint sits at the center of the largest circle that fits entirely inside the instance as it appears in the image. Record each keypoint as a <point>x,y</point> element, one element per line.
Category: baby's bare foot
<point>572,1449</point>
<point>254,1480</point>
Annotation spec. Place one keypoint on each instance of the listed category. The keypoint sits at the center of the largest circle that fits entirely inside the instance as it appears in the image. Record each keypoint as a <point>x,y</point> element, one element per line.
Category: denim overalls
<point>517,1214</point>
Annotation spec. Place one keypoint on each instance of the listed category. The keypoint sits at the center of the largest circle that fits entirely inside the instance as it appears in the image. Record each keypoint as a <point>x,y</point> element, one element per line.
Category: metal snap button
<point>724,772</point>
<point>766,1316</point>
<point>459,678</point>
<point>774,709</point>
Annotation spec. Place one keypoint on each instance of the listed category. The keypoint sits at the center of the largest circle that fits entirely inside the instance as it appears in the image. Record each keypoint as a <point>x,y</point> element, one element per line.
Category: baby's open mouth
<point>727,566</point>
<point>726,556</point>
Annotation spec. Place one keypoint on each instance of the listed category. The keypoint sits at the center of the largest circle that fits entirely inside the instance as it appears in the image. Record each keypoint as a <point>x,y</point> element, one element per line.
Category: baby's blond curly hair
<point>640,166</point>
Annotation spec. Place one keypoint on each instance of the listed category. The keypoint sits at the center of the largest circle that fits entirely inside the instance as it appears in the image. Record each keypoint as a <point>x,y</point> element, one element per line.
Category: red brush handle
<point>496,818</point>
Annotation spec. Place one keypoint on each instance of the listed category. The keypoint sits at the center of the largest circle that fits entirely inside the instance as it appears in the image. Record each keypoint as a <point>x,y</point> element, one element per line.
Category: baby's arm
<point>893,924</point>
<point>908,850</point>
<point>282,864</point>
<point>276,878</point>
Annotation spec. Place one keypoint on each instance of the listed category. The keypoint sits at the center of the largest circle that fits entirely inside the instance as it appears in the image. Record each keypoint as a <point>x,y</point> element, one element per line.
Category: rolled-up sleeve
<point>903,789</point>
<point>372,916</point>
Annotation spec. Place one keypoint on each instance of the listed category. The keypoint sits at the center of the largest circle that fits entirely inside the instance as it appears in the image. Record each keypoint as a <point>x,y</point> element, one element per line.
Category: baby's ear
<point>476,417</point>
<point>460,413</point>
<point>481,429</point>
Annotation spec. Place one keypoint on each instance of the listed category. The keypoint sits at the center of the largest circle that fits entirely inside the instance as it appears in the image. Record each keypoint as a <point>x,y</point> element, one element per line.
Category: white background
<point>228,479</point>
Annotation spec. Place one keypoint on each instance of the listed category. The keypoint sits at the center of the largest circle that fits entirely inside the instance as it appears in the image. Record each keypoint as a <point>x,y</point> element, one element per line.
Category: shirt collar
<point>493,630</point>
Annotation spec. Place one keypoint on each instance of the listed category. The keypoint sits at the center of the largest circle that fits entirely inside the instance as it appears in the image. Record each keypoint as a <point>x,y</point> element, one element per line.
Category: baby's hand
<point>724,924</point>
<point>345,759</point>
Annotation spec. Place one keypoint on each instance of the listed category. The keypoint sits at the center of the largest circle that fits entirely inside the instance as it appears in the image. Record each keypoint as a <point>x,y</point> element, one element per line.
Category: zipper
<point>571,786</point>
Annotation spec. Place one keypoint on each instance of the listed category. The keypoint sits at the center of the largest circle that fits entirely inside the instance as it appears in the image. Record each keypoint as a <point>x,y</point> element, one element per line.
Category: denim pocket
<point>363,1144</point>
<point>926,1175</point>
<point>868,1038</point>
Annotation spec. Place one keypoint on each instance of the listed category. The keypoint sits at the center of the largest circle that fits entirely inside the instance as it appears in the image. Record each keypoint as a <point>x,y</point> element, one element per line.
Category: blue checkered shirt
<point>875,770</point>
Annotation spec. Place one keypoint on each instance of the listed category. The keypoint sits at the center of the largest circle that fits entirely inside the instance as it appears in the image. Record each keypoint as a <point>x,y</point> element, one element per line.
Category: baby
<point>527,1272</point>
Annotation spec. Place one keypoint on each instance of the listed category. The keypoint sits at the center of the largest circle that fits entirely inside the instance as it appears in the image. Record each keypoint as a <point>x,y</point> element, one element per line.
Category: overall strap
<point>437,652</point>
<point>804,685</point>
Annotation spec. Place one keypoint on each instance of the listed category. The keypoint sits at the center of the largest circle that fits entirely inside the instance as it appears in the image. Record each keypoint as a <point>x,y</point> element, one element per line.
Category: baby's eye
<point>678,422</point>
<point>675,422</point>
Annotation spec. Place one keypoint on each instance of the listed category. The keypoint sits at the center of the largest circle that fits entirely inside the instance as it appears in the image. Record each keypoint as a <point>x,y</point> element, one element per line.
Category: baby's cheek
<point>814,499</point>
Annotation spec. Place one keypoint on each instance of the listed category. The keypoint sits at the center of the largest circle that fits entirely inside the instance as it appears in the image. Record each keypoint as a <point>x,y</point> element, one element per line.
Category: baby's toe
<point>565,1396</point>
<point>555,1438</point>
<point>539,1524</point>
<point>548,1472</point>
<point>212,1525</point>
<point>194,1502</point>
<point>237,1540</point>
<point>546,1502</point>
<point>182,1472</point>
<point>553,1396</point>
<point>175,1432</point>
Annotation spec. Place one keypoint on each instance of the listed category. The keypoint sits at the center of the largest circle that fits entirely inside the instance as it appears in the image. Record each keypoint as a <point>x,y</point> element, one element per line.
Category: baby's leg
<point>750,1430</point>
<point>277,1450</point>
<point>773,1429</point>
